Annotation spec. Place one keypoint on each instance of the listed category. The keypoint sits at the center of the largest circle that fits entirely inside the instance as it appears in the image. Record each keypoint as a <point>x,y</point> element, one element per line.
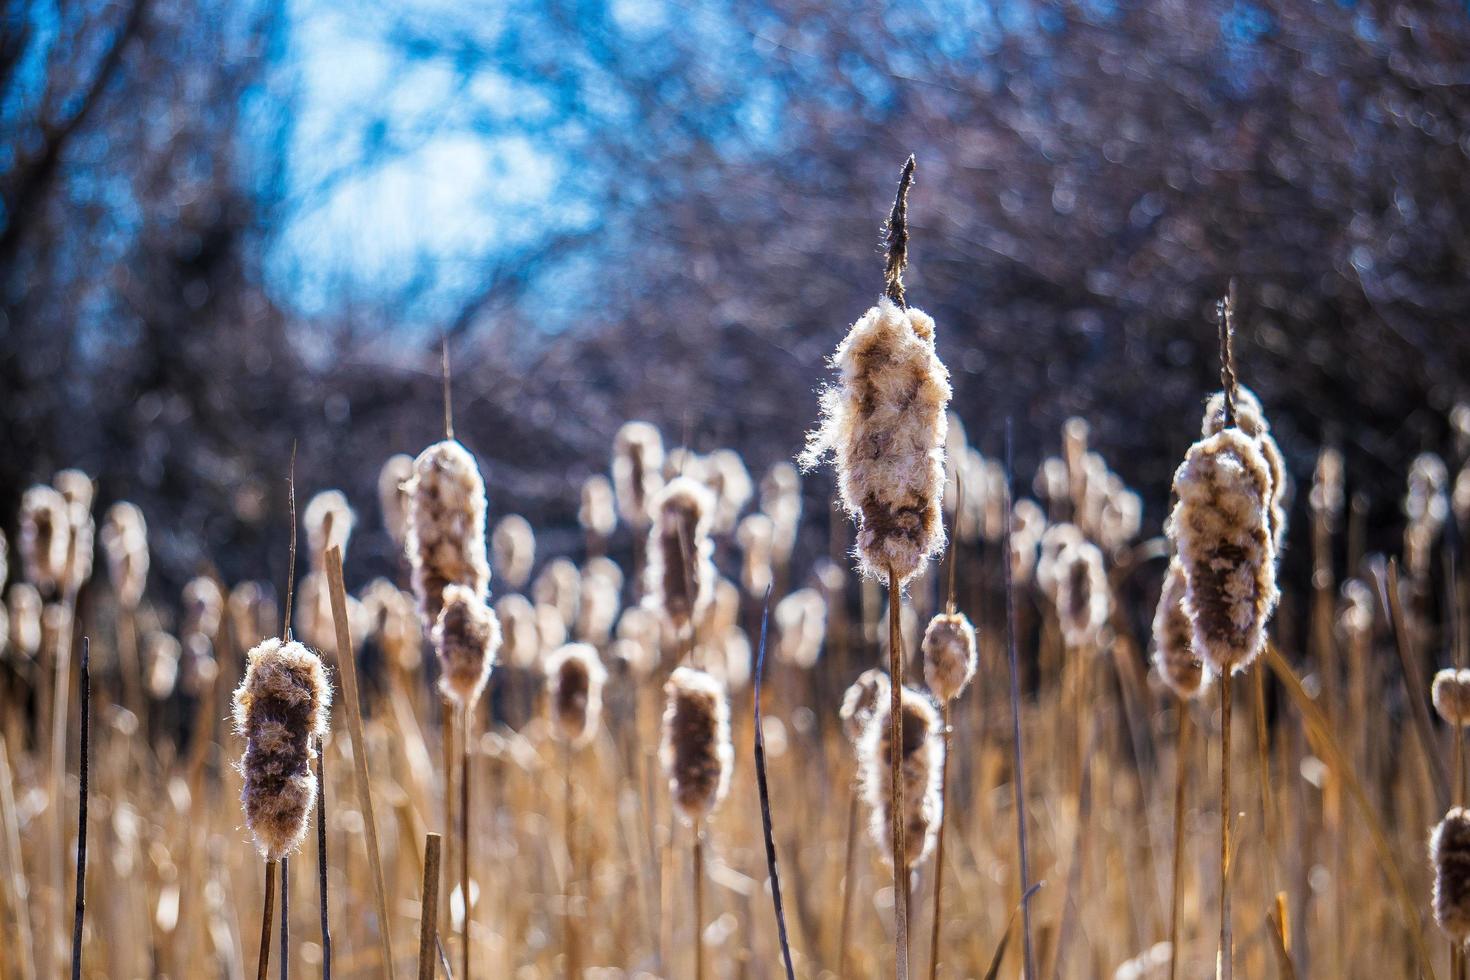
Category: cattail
<point>638,457</point>
<point>393,498</point>
<point>729,480</point>
<point>328,520</point>
<point>514,546</point>
<point>1054,541</point>
<point>1173,638</point>
<point>25,620</point>
<point>1449,853</point>
<point>723,611</point>
<point>1028,524</point>
<point>780,500</point>
<point>598,514</point>
<point>198,668</point>
<point>756,537</point>
<point>639,625</point>
<point>603,567</point>
<point>1084,600</point>
<point>446,527</point>
<point>1251,419</point>
<point>680,575</point>
<point>252,613</point>
<point>4,558</point>
<point>1222,535</point>
<point>1451,691</point>
<point>801,624</point>
<point>597,609</point>
<point>574,677</point>
<point>1050,482</point>
<point>161,654</point>
<point>559,585</point>
<point>633,657</point>
<point>44,535</point>
<point>1426,508</point>
<point>125,544</point>
<point>727,658</point>
<point>1460,496</point>
<point>1075,435</point>
<point>884,425</point>
<point>1122,517</point>
<point>390,619</point>
<point>204,606</point>
<point>551,628</point>
<point>314,619</point>
<point>467,638</point>
<point>861,701</point>
<point>696,750</point>
<point>520,643</point>
<point>923,755</point>
<point>1327,496</point>
<point>282,707</point>
<point>77,490</point>
<point>950,655</point>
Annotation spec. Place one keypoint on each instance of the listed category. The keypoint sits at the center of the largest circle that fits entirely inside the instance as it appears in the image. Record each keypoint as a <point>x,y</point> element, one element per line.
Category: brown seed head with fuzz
<point>25,620</point>
<point>729,480</point>
<point>1028,524</point>
<point>1173,637</point>
<point>559,585</point>
<point>597,609</point>
<point>390,619</point>
<point>637,462</point>
<point>1451,690</point>
<point>44,535</point>
<point>801,626</point>
<point>884,424</point>
<point>598,514</point>
<point>446,526</point>
<point>695,749</point>
<point>923,754</point>
<point>1084,600</point>
<point>328,520</point>
<point>574,678</point>
<point>861,701</point>
<point>1251,419</point>
<point>466,638</point>
<point>950,655</point>
<point>520,641</point>
<point>1054,540</point>
<point>756,537</point>
<point>125,544</point>
<point>282,707</point>
<point>77,489</point>
<point>393,495</point>
<point>680,575</point>
<point>514,545</point>
<point>1221,532</point>
<point>1327,496</point>
<point>1449,854</point>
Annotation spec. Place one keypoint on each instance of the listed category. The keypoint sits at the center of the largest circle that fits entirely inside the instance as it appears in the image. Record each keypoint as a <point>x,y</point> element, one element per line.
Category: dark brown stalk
<point>698,903</point>
<point>847,873</point>
<point>81,906</point>
<point>321,856</point>
<point>1225,313</point>
<point>1225,954</point>
<point>765,798</point>
<point>265,921</point>
<point>429,907</point>
<point>1019,783</point>
<point>896,235</point>
<point>939,843</point>
<point>1415,682</point>
<point>895,759</point>
<point>1181,774</point>
<point>285,919</point>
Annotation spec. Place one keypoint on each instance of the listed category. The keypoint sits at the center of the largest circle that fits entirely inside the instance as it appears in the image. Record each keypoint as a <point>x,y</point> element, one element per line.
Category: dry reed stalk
<point>347,668</point>
<point>765,800</point>
<point>15,868</point>
<point>286,918</point>
<point>429,907</point>
<point>464,840</point>
<point>895,801</point>
<point>266,912</point>
<point>1181,773</point>
<point>81,896</point>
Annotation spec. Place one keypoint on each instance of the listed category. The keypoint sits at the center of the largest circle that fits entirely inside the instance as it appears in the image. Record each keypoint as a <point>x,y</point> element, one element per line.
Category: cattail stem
<point>464,840</point>
<point>285,918</point>
<point>1224,956</point>
<point>81,906</point>
<point>1181,777</point>
<point>265,921</point>
<point>1263,768</point>
<point>698,903</point>
<point>939,845</point>
<point>1013,656</point>
<point>569,832</point>
<point>321,856</point>
<point>895,756</point>
<point>847,883</point>
<point>429,906</point>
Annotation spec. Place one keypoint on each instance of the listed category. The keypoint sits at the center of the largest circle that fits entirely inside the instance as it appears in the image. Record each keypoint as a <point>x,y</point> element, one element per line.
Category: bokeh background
<point>230,226</point>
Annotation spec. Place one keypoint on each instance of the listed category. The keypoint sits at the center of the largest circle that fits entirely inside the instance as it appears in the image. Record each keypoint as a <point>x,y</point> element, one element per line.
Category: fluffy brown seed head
<point>801,627</point>
<point>446,526</point>
<point>77,490</point>
<point>1028,524</point>
<point>574,678</point>
<point>328,520</point>
<point>204,606</point>
<point>923,754</point>
<point>680,574</point>
<point>466,638</point>
<point>393,498</point>
<point>1449,854</point>
<point>1451,690</point>
<point>1326,497</point>
<point>755,535</point>
<point>551,628</point>
<point>1222,536</point>
<point>1084,599</point>
<point>950,655</point>
<point>884,424</point>
<point>1054,540</point>
<point>729,480</point>
<point>125,545</point>
<point>1251,419</point>
<point>597,609</point>
<point>25,620</point>
<point>520,642</point>
<point>44,535</point>
<point>695,749</point>
<point>637,462</point>
<point>390,619</point>
<point>780,499</point>
<point>598,514</point>
<point>282,707</point>
<point>1173,638</point>
<point>161,655</point>
<point>514,546</point>
<point>603,567</point>
<point>861,700</point>
<point>559,585</point>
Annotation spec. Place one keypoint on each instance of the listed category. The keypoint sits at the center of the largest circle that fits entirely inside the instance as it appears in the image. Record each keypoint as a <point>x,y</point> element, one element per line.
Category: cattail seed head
<point>680,574</point>
<point>393,499</point>
<point>551,628</point>
<point>466,638</point>
<point>559,585</point>
<point>1222,536</point>
<point>597,609</point>
<point>950,655</point>
<point>161,655</point>
<point>1251,419</point>
<point>1173,638</point>
<point>282,707</point>
<point>77,490</point>
<point>1327,496</point>
<point>1084,599</point>
<point>125,545</point>
<point>1449,854</point>
<point>574,677</point>
<point>1451,690</point>
<point>514,546</point>
<point>390,619</point>
<point>638,458</point>
<point>328,520</point>
<point>1028,524</point>
<point>45,532</point>
<point>780,500</point>
<point>520,642</point>
<point>755,535</point>
<point>801,627</point>
<point>696,750</point>
<point>25,620</point>
<point>1054,541</point>
<point>884,423</point>
<point>923,754</point>
<point>860,702</point>
<point>446,526</point>
<point>729,480</point>
<point>639,625</point>
<point>603,567</point>
<point>598,514</point>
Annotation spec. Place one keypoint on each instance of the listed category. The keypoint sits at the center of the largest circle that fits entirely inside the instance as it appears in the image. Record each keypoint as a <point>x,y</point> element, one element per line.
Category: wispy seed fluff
<point>466,638</point>
<point>680,575</point>
<point>950,655</point>
<point>281,707</point>
<point>328,520</point>
<point>125,545</point>
<point>801,624</point>
<point>695,749</point>
<point>884,424</point>
<point>598,514</point>
<point>1084,599</point>
<point>393,498</point>
<point>1173,653</point>
<point>861,701</point>
<point>1251,419</point>
<point>638,458</point>
<point>514,546</point>
<point>1451,690</point>
<point>1054,540</point>
<point>44,535</point>
<point>1449,853</point>
<point>446,526</point>
<point>1221,532</point>
<point>923,753</point>
<point>574,679</point>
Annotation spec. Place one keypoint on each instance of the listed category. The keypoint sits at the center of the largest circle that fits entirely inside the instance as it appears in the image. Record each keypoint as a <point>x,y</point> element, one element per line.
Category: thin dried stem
<point>1181,779</point>
<point>321,857</point>
<point>291,561</point>
<point>847,882</point>
<point>698,939</point>
<point>765,798</point>
<point>444,373</point>
<point>464,840</point>
<point>81,905</point>
<point>939,843</point>
<point>1224,958</point>
<point>896,235</point>
<point>285,919</point>
<point>429,906</point>
<point>265,921</point>
<point>895,758</point>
